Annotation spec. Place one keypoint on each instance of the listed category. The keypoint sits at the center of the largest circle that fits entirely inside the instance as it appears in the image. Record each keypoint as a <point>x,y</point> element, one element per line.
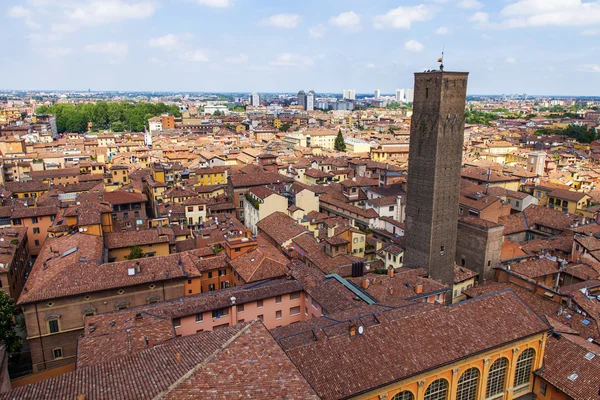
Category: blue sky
<point>508,46</point>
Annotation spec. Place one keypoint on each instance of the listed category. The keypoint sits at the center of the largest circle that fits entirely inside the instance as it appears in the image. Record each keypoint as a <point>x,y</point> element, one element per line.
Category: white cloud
<point>169,42</point>
<point>62,28</point>
<point>240,59</point>
<point>215,3</point>
<point>442,30</point>
<point>20,12</point>
<point>511,60</point>
<point>591,32</point>
<point>523,13</point>
<point>590,68</point>
<point>98,12</point>
<point>317,31</point>
<point>403,17</point>
<point>413,45</point>
<point>294,60</point>
<point>370,66</point>
<point>469,4</point>
<point>116,49</point>
<point>287,21</point>
<point>55,52</point>
<point>197,55</point>
<point>165,42</point>
<point>480,18</point>
<point>348,21</point>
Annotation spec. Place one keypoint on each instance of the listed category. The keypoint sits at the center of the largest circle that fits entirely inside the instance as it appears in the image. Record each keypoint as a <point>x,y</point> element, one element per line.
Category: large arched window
<point>467,385</point>
<point>437,390</point>
<point>523,369</point>
<point>496,378</point>
<point>404,395</point>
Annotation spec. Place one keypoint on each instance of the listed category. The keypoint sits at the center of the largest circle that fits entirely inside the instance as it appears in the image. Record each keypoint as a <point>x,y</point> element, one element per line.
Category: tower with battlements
<point>434,164</point>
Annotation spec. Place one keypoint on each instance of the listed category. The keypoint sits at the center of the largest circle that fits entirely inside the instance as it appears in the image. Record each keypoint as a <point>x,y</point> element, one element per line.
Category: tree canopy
<point>479,117</point>
<point>135,252</point>
<point>579,132</point>
<point>8,335</point>
<point>339,144</point>
<point>102,115</point>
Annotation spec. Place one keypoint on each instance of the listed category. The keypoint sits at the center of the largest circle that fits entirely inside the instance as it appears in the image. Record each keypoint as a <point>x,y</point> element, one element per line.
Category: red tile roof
<point>567,368</point>
<point>470,327</point>
<point>280,227</point>
<point>187,367</point>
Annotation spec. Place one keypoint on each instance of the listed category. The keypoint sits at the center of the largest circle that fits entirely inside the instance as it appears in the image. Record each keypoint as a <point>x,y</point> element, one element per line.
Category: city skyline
<point>234,46</point>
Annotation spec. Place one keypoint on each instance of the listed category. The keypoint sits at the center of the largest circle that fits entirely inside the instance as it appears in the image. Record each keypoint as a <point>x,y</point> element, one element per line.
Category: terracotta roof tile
<point>470,327</point>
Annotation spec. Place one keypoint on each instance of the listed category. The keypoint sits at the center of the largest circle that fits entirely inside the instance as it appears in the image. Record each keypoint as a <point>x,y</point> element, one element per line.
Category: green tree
<point>117,126</point>
<point>135,253</point>
<point>100,115</point>
<point>217,113</point>
<point>76,123</point>
<point>8,335</point>
<point>285,127</point>
<point>339,144</point>
<point>103,115</point>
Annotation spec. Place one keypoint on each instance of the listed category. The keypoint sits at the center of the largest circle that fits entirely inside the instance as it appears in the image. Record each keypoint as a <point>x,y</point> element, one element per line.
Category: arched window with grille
<point>467,385</point>
<point>496,378</point>
<point>404,395</point>
<point>523,368</point>
<point>437,390</point>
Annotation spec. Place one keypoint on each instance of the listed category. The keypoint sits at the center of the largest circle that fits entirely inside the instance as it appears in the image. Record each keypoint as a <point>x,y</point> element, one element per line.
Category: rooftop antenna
<point>441,60</point>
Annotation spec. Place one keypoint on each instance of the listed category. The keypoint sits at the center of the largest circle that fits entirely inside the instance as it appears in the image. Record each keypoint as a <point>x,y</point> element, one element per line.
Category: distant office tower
<point>410,95</point>
<point>255,100</point>
<point>377,94</point>
<point>310,101</point>
<point>349,94</point>
<point>434,163</point>
<point>302,99</point>
<point>400,95</point>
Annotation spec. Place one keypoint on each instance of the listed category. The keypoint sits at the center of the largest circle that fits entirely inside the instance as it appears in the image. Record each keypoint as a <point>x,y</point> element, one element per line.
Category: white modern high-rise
<point>410,95</point>
<point>310,101</point>
<point>400,95</point>
<point>349,94</point>
<point>254,100</point>
<point>377,94</point>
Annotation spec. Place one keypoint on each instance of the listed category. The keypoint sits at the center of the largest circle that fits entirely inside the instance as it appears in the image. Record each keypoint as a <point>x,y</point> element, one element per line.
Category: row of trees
<point>114,116</point>
<point>579,132</point>
<point>479,117</point>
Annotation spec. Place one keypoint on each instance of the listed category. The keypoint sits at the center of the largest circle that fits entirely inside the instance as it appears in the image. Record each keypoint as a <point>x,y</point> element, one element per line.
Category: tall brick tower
<point>434,163</point>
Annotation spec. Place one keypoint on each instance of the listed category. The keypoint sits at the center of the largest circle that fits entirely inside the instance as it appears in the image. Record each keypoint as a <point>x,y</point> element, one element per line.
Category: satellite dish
<point>361,330</point>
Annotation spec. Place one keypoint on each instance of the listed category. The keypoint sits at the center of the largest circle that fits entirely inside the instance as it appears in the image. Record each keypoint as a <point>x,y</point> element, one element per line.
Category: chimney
<point>178,356</point>
<point>81,396</point>
<point>391,291</point>
<point>419,288</point>
<point>352,329</point>
<point>391,272</point>
<point>365,283</point>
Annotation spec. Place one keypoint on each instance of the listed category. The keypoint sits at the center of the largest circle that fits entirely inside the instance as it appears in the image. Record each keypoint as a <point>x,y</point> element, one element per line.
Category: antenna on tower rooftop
<point>441,60</point>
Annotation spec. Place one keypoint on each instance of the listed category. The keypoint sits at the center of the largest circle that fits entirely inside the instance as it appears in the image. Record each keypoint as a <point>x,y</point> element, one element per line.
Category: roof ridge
<point>208,359</point>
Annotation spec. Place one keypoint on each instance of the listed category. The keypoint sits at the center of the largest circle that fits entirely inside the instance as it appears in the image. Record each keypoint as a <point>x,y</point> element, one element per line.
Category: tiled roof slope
<point>470,327</point>
<point>253,366</point>
<point>232,362</point>
<point>565,357</point>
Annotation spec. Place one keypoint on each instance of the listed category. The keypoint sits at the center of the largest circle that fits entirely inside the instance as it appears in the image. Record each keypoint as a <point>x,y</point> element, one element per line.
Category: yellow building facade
<point>504,373</point>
